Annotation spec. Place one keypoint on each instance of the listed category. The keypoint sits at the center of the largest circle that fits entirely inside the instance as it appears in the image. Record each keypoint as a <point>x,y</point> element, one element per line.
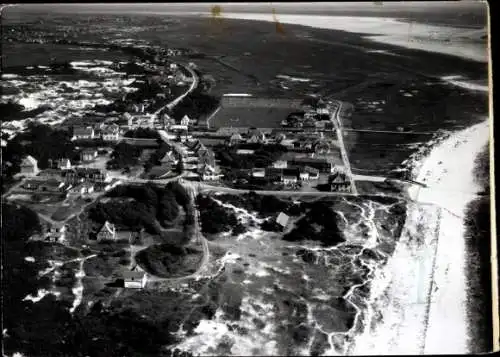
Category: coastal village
<point>165,128</point>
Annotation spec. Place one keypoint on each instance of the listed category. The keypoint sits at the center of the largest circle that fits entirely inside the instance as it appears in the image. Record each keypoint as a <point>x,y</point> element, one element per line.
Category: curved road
<point>177,100</point>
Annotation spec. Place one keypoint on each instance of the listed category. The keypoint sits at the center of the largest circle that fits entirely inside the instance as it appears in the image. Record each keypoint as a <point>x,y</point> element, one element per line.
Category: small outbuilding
<point>134,279</point>
<point>282,220</point>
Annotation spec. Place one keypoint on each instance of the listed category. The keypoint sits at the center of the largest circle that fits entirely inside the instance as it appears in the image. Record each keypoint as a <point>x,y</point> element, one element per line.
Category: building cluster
<point>107,132</point>
<point>206,167</point>
<point>61,178</point>
<point>316,113</point>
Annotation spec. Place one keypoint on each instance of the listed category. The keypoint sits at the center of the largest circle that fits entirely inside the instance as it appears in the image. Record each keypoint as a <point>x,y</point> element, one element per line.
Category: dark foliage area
<point>149,205</point>
<point>40,141</point>
<point>321,215</point>
<point>168,260</point>
<point>123,156</point>
<point>142,133</point>
<point>168,209</point>
<point>263,156</point>
<point>146,90</point>
<point>13,111</point>
<point>214,218</point>
<point>180,193</point>
<point>195,105</point>
<point>156,156</point>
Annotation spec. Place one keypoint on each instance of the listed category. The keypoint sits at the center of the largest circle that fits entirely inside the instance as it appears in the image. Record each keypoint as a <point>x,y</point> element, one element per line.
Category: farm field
<point>249,117</point>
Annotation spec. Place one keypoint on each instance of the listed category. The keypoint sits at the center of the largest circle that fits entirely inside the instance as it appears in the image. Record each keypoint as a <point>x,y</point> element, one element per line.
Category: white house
<point>282,219</point>
<point>244,152</point>
<point>29,166</point>
<point>134,280</point>
<point>280,164</point>
<point>256,172</point>
<point>323,110</point>
<point>107,232</point>
<point>87,188</point>
<point>185,121</point>
<point>83,133</point>
<point>64,164</point>
<point>111,133</point>
<point>56,233</point>
<point>304,176</point>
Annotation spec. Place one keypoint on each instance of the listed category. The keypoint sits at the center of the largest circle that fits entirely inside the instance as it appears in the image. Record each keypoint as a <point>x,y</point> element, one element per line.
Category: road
<point>340,137</point>
<point>177,100</point>
<point>391,132</point>
<point>181,150</point>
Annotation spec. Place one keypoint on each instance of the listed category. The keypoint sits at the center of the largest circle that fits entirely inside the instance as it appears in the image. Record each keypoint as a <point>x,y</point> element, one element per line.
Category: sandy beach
<point>422,289</point>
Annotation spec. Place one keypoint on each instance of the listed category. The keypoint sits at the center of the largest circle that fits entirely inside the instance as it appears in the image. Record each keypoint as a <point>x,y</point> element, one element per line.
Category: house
<point>56,233</point>
<point>111,133</point>
<point>256,136</point>
<point>134,280</point>
<point>168,121</point>
<point>48,185</point>
<point>52,185</point>
<point>178,128</point>
<point>280,164</point>
<point>235,139</point>
<point>31,185</point>
<point>339,182</point>
<point>107,232</point>
<point>185,121</point>
<point>244,152</point>
<point>313,173</point>
<point>258,172</point>
<point>209,173</point>
<point>83,133</point>
<point>304,175</point>
<point>29,166</point>
<point>51,174</point>
<point>289,179</point>
<point>320,164</point>
<point>322,108</point>
<point>64,164</point>
<point>88,155</point>
<point>322,146</point>
<point>81,175</point>
<point>169,158</point>
<point>282,220</point>
<point>206,157</point>
<point>138,108</point>
<point>87,188</point>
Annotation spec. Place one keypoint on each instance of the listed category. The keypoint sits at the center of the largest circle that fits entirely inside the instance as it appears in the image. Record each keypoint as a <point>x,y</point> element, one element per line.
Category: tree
<point>168,209</point>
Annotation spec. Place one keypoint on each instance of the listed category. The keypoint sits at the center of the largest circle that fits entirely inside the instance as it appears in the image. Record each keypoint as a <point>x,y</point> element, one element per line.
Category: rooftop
<point>133,275</point>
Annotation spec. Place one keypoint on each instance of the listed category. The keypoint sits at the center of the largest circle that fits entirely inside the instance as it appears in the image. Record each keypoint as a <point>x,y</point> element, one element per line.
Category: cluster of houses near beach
<point>62,178</point>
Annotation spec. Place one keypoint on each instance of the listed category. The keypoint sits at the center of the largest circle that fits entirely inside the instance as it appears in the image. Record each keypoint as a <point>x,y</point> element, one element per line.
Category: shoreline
<point>455,41</point>
<point>430,252</point>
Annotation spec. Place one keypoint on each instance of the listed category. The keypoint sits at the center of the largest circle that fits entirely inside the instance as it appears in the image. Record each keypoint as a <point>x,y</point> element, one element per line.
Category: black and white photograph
<point>247,179</point>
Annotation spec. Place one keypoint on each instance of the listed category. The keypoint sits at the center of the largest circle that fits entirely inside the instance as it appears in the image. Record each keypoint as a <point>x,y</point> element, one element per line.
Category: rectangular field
<point>259,117</point>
